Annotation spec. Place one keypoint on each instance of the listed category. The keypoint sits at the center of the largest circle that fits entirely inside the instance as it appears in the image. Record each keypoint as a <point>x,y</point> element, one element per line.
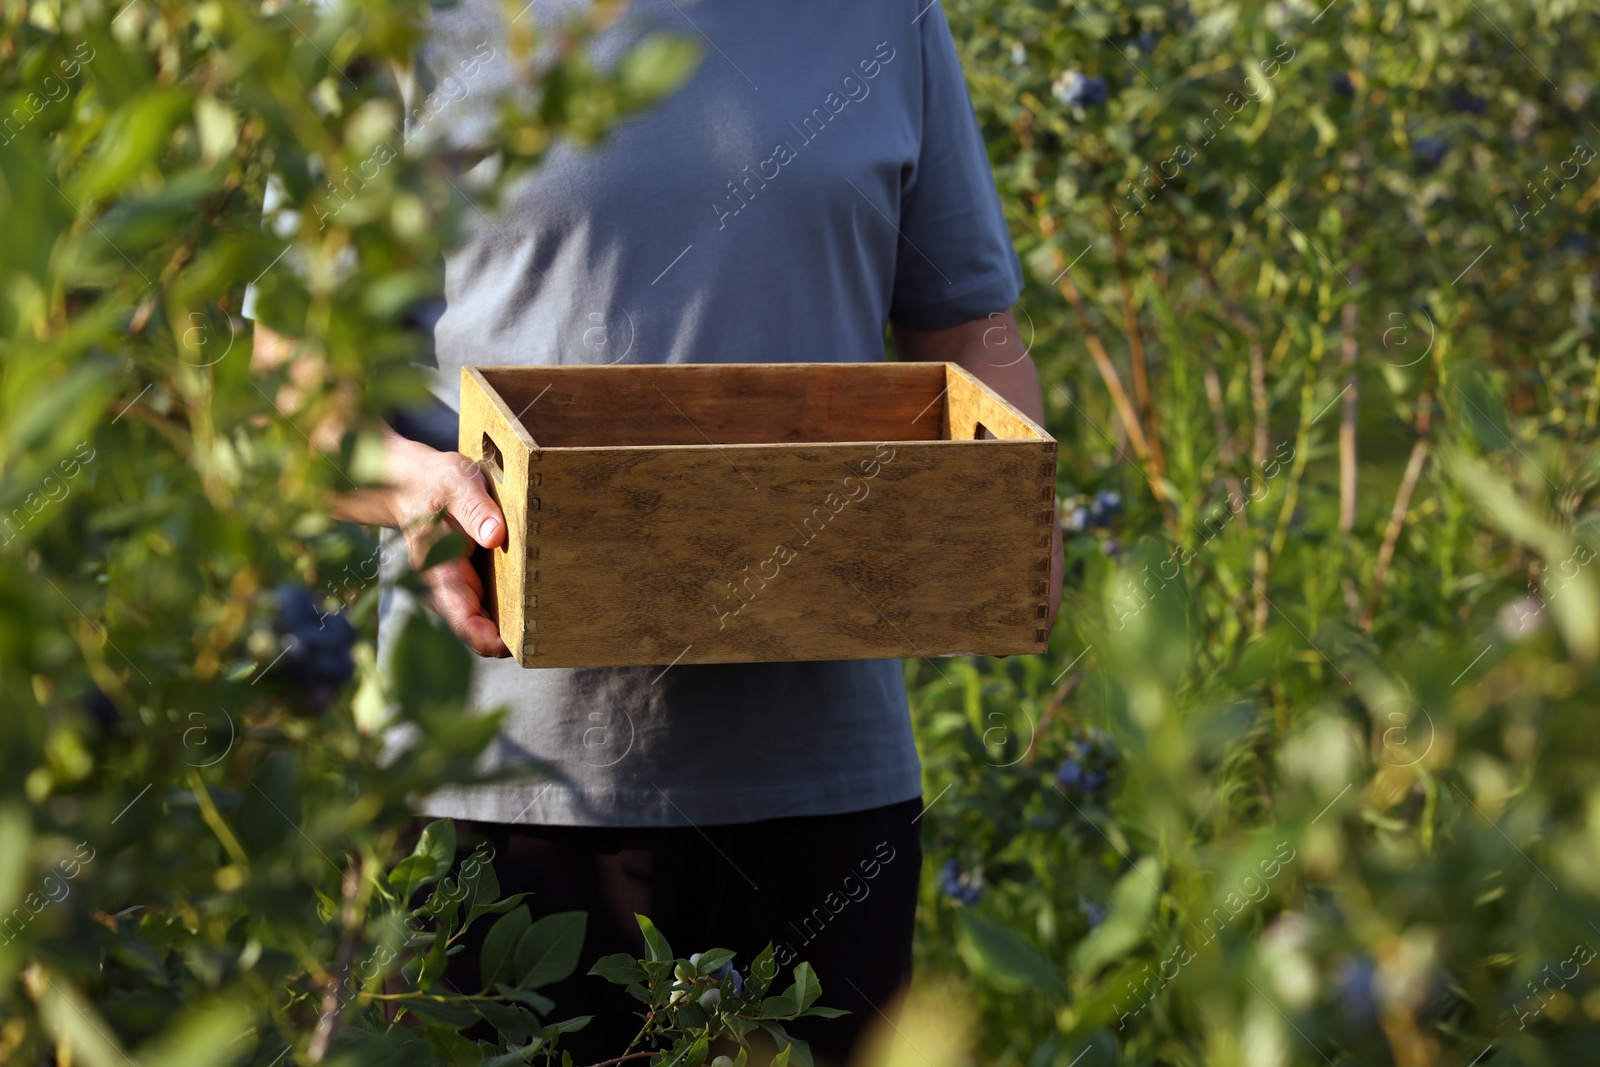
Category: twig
<point>1402,506</point>
<point>1136,356</point>
<point>1397,519</point>
<point>332,1002</point>
<point>1226,450</point>
<point>626,1058</point>
<point>1102,361</point>
<point>1347,418</point>
<point>627,1054</point>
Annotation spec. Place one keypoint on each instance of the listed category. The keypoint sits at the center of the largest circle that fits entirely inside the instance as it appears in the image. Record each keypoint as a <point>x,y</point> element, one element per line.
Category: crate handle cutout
<point>493,461</point>
<point>980,432</point>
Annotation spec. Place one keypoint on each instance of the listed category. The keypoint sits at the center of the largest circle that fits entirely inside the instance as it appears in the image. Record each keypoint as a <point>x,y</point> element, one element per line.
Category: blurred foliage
<point>1309,777</point>
<point>205,855</point>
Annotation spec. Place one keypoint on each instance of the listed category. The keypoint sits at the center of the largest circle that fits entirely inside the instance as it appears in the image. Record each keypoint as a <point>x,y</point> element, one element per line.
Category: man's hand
<point>428,493</point>
<point>431,494</point>
<point>992,350</point>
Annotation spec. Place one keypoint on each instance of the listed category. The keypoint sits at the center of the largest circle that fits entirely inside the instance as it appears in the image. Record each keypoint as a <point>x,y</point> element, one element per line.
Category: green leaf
<point>714,960</point>
<point>762,971</point>
<point>1004,960</point>
<point>806,988</point>
<point>619,967</point>
<point>527,997</point>
<point>660,951</point>
<point>825,1013</point>
<point>695,1054</point>
<point>1133,904</point>
<point>411,874</point>
<point>452,545</point>
<point>133,138</point>
<point>454,1014</point>
<point>792,1050</point>
<point>431,667</point>
<point>658,65</point>
<point>73,1022</point>
<point>479,883</point>
<point>548,951</point>
<point>438,840</point>
<point>16,837</point>
<point>500,947</point>
<point>203,1037</point>
<point>567,1026</point>
<point>781,1006</point>
<point>515,1057</point>
<point>493,909</point>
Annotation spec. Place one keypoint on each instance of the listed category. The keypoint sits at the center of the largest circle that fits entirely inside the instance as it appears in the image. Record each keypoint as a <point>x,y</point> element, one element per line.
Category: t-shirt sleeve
<point>955,261</point>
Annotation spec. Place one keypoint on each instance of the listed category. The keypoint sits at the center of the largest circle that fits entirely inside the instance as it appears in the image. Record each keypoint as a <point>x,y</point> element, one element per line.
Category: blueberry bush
<point>1309,775</point>
<point>205,856</point>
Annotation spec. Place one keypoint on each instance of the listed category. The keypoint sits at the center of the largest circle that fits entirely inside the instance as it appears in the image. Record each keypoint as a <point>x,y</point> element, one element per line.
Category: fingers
<point>468,502</point>
<point>458,598</point>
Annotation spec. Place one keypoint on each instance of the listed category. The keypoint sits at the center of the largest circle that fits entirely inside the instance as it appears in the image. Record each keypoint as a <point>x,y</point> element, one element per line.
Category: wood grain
<point>736,551</point>
<point>724,403</point>
<point>486,420</point>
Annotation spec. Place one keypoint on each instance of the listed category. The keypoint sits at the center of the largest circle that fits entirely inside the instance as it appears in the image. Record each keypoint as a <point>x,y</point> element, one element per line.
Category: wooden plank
<point>486,420</point>
<point>758,553</point>
<point>971,403</point>
<point>725,404</point>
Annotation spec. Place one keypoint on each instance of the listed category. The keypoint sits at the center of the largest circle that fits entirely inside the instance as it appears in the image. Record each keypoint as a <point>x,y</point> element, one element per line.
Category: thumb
<point>471,506</point>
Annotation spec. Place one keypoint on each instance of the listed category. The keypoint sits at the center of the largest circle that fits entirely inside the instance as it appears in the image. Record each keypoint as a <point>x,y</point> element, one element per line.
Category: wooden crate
<point>730,513</point>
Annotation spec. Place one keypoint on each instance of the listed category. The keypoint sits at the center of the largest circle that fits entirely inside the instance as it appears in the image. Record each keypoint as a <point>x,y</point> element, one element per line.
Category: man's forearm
<point>370,507</point>
<point>991,349</point>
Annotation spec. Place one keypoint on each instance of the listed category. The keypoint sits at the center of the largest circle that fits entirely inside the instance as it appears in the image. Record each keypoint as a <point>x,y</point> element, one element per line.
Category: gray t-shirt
<point>821,174</point>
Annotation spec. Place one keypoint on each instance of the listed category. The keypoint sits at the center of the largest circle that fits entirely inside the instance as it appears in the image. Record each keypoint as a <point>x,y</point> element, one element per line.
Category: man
<point>820,176</point>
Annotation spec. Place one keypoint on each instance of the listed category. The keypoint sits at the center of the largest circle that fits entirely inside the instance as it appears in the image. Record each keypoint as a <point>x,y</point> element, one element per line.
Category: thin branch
<point>1136,356</point>
<point>1391,535</point>
<point>1108,371</point>
<point>1347,418</point>
<point>333,1002</point>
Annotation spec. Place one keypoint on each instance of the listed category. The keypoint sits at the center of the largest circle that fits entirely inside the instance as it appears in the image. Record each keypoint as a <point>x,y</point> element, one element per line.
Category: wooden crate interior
<point>738,404</point>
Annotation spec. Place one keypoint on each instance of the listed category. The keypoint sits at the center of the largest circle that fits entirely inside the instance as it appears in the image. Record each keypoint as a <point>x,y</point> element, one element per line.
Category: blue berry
<point>1087,770</point>
<point>726,974</point>
<point>1105,506</point>
<point>1070,775</point>
<point>1112,548</point>
<point>959,887</point>
<point>1354,978</point>
<point>1341,83</point>
<point>1077,519</point>
<point>102,710</point>
<point>1146,40</point>
<point>1428,152</point>
<point>1095,914</point>
<point>1461,100</point>
<point>1074,89</point>
<point>317,645</point>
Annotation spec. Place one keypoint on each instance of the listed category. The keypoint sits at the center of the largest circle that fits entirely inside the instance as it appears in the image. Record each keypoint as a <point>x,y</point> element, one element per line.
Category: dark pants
<point>836,891</point>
